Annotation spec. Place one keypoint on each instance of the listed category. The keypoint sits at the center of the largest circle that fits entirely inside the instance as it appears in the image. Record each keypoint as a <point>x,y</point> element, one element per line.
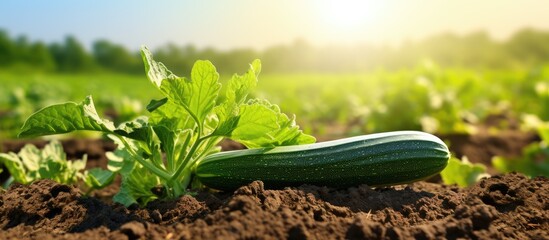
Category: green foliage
<point>427,98</point>
<point>71,56</point>
<point>7,49</point>
<point>542,92</point>
<point>416,102</point>
<point>115,57</point>
<point>529,45</point>
<point>462,172</point>
<point>157,154</point>
<point>32,164</point>
<point>534,160</point>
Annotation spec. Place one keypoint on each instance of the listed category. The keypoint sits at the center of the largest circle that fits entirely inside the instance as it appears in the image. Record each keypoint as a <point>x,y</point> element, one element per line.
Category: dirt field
<point>507,206</point>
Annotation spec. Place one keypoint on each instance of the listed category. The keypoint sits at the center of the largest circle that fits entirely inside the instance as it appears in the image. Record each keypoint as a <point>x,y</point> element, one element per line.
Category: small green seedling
<point>32,164</point>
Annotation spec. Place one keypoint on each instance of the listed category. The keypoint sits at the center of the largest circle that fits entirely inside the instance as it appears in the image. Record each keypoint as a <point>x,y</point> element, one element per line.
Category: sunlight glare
<point>350,14</point>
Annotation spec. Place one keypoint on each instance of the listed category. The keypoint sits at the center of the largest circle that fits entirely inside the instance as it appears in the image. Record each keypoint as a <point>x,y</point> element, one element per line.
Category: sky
<point>258,24</point>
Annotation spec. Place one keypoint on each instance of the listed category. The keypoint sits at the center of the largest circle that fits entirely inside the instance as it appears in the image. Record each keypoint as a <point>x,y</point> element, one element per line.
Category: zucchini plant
<point>157,153</point>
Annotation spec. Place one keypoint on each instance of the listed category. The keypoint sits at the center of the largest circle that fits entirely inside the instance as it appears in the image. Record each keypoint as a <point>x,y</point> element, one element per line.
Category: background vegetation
<point>525,49</point>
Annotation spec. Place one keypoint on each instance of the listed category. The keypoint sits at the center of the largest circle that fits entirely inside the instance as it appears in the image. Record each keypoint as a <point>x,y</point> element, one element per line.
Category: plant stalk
<point>159,172</point>
<point>185,162</point>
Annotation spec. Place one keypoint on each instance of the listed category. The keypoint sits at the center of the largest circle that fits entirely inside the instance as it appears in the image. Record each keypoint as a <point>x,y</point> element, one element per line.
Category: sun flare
<point>350,14</point>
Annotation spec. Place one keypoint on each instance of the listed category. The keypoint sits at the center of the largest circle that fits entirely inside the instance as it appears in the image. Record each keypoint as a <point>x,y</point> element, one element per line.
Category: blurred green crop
<point>426,97</point>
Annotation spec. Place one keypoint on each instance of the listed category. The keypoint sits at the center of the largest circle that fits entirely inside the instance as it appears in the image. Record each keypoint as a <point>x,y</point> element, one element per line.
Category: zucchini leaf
<point>262,124</point>
<point>204,89</point>
<point>156,71</point>
<point>64,118</point>
<point>137,181</point>
<point>226,127</point>
<point>171,116</point>
<point>154,104</point>
<point>137,187</point>
<point>238,89</point>
<point>240,86</point>
<point>197,95</point>
<point>137,129</point>
<point>97,178</point>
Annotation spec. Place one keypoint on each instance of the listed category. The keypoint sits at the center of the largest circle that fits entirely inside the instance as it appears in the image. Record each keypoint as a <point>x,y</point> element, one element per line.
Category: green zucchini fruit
<point>380,159</point>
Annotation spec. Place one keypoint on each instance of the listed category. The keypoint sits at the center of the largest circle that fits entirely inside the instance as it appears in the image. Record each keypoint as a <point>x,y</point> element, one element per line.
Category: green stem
<point>186,178</point>
<point>190,153</point>
<point>176,189</point>
<point>183,165</point>
<point>159,172</point>
<point>183,150</point>
<point>194,117</point>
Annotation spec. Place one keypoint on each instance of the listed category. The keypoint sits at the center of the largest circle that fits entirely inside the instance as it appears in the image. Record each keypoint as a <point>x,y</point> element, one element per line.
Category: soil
<point>509,206</point>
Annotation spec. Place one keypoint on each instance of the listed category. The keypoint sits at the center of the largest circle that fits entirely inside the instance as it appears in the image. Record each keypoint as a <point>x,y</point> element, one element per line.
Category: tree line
<point>525,48</point>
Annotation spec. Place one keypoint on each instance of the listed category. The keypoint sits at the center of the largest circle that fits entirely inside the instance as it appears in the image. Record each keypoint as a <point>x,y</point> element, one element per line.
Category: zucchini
<point>380,159</point>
